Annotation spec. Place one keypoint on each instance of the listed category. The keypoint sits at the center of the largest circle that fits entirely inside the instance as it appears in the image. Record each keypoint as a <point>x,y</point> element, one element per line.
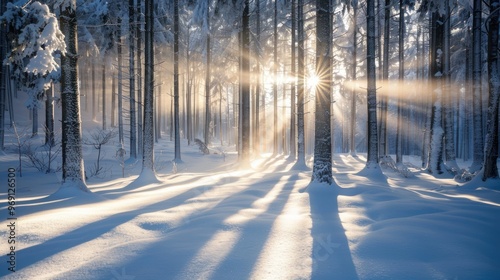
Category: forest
<point>393,77</point>
<point>218,133</point>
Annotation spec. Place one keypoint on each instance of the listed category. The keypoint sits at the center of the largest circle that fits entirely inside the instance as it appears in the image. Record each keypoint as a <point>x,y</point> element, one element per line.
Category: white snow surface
<point>211,220</point>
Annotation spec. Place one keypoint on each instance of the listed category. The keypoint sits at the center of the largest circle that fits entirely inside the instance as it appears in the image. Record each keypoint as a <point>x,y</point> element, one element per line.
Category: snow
<point>213,220</point>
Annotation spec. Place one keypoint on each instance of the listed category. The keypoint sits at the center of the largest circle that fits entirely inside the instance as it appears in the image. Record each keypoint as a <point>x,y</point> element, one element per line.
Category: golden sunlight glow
<point>312,81</point>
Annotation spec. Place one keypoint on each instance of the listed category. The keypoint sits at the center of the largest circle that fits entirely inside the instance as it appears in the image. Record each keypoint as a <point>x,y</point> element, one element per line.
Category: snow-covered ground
<point>212,220</point>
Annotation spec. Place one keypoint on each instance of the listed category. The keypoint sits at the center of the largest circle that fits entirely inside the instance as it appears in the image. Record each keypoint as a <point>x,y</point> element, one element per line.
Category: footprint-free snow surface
<point>213,220</point>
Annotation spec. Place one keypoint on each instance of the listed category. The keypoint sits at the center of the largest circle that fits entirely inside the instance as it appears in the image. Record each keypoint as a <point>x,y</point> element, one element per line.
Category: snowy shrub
<point>203,148</point>
<point>97,138</point>
<point>41,157</point>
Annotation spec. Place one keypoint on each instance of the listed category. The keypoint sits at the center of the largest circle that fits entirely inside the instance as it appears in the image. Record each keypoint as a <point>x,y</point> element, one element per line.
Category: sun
<point>312,81</point>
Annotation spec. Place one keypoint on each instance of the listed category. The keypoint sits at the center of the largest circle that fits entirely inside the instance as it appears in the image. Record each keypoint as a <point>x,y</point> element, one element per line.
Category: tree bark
<point>207,84</point>
<point>148,141</point>
<point>103,92</point>
<point>322,166</point>
<point>352,142</point>
<point>72,156</point>
<point>177,137</point>
<point>477,64</point>
<point>49,117</point>
<point>301,151</point>
<point>275,82</point>
<point>120,79</point>
<point>384,100</point>
<point>293,92</point>
<point>435,160</point>
<point>132,113</point>
<point>245,85</point>
<point>140,104</point>
<point>401,53</point>
<point>372,153</point>
<point>491,144</point>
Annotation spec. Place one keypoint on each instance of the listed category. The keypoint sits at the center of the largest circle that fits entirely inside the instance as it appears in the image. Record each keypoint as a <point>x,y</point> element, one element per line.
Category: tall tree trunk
<point>140,105</point>
<point>34,130</point>
<point>132,113</point>
<point>384,100</point>
<point>293,92</point>
<point>113,99</point>
<point>352,143</point>
<point>94,94</point>
<point>103,70</point>
<point>3,77</point>
<point>72,156</point>
<point>435,160</point>
<point>275,82</point>
<point>372,153</point>
<point>245,85</point>
<point>477,64</point>
<point>491,144</point>
<point>49,117</point>
<point>322,166</point>
<point>177,136</point>
<point>207,83</point>
<point>148,141</point>
<point>301,148</point>
<point>256,130</point>
<point>401,53</point>
<point>189,106</point>
<point>119,54</point>
<point>449,139</point>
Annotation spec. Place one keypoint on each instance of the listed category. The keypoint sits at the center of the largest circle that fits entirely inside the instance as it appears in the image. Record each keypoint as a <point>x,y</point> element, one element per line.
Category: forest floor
<point>208,219</point>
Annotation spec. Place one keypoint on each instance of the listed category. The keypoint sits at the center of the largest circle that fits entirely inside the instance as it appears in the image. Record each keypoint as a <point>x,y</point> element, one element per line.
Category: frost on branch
<point>35,41</point>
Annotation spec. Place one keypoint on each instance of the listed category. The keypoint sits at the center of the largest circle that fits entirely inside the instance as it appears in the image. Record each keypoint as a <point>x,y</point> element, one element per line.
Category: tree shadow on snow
<point>331,255</point>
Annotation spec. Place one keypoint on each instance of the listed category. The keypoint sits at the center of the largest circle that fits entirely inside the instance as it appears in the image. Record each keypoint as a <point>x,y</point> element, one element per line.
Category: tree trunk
<point>49,117</point>
<point>189,120</point>
<point>34,130</point>
<point>449,139</point>
<point>322,167</point>
<point>72,156</point>
<point>301,151</point>
<point>140,105</point>
<point>385,77</point>
<point>477,64</point>
<point>177,142</point>
<point>293,92</point>
<point>94,94</point>
<point>148,141</point>
<point>207,83</point>
<point>275,83</point>
<point>352,143</point>
<point>372,153</point>
<point>131,37</point>
<point>113,99</point>
<point>491,144</point>
<point>435,160</point>
<point>3,77</point>
<point>401,53</point>
<point>104,92</point>
<point>120,79</point>
<point>245,86</point>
